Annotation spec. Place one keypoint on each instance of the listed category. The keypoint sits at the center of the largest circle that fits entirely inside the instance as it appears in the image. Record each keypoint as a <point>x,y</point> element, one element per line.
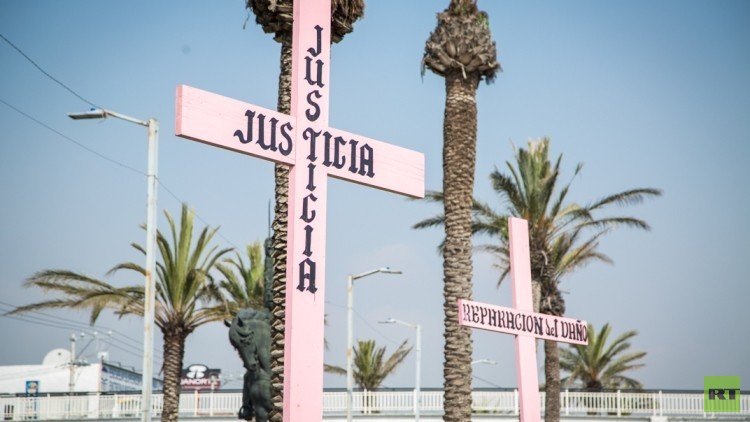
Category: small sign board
<point>32,387</point>
<point>200,377</point>
<point>522,323</point>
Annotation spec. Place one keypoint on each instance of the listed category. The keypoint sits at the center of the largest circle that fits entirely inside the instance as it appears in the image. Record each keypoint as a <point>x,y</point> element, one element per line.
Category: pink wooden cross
<point>522,321</point>
<point>314,151</point>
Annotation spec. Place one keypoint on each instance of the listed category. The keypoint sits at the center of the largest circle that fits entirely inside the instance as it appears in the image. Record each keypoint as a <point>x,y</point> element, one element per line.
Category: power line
<point>47,74</point>
<point>52,324</point>
<point>68,138</point>
<point>372,327</point>
<point>103,340</point>
<point>72,321</point>
<point>113,161</point>
<point>485,381</point>
<point>361,318</point>
<point>218,231</point>
<point>59,325</point>
<point>138,355</point>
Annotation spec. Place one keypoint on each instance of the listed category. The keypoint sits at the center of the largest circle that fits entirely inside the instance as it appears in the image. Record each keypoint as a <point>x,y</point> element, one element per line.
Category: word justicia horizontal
<point>270,134</point>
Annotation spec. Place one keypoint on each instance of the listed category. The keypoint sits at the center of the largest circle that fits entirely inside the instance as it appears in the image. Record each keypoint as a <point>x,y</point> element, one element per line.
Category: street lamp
<point>417,383</point>
<point>148,314</point>
<point>350,331</point>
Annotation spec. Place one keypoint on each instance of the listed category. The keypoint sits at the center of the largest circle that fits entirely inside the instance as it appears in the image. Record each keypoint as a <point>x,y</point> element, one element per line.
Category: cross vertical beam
<point>520,272</point>
<point>303,350</point>
<point>314,151</point>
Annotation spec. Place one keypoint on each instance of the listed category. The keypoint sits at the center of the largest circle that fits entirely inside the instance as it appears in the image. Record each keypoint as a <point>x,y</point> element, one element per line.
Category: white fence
<point>573,403</point>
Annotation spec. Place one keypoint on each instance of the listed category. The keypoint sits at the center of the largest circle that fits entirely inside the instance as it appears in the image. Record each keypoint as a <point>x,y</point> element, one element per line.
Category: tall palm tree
<point>462,51</point>
<point>276,17</point>
<point>563,236</point>
<point>599,365</point>
<point>243,281</point>
<point>183,295</point>
<point>370,365</point>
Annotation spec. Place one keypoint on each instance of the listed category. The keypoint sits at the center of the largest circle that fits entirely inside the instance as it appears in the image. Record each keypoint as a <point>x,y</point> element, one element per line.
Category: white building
<point>57,374</point>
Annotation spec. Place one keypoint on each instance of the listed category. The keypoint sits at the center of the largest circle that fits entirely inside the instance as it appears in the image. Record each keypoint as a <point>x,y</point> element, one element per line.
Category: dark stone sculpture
<point>250,334</point>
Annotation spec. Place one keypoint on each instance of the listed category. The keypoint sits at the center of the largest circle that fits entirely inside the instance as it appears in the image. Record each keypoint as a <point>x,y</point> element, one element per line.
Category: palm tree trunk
<point>552,304</point>
<point>552,381</point>
<point>174,351</point>
<point>459,153</point>
<point>281,176</point>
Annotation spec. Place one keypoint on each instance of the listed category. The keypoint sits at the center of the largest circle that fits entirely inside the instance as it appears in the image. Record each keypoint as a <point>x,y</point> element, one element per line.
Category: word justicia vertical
<point>314,78</point>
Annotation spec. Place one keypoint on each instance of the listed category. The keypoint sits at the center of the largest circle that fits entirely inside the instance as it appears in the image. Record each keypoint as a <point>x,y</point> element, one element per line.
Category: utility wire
<point>135,354</point>
<point>372,327</point>
<point>34,320</point>
<point>485,381</point>
<point>357,314</point>
<point>69,139</point>
<point>47,74</point>
<point>72,321</point>
<point>61,325</point>
<point>103,340</point>
<point>78,143</point>
<point>169,191</point>
<point>113,161</point>
<point>26,56</point>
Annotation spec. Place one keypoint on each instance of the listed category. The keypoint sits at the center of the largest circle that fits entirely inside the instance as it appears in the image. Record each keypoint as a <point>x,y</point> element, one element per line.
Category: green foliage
<point>183,284</point>
<point>243,281</point>
<point>564,233</point>
<point>599,365</point>
<point>370,367</point>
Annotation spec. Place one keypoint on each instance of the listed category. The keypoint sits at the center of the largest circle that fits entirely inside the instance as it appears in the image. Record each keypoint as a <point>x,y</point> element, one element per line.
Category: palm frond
<point>628,197</point>
<point>601,364</point>
<point>332,369</point>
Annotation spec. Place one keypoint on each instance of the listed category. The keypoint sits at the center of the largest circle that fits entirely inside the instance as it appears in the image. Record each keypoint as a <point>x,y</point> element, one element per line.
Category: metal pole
<point>349,340</point>
<point>72,376</point>
<point>150,291</point>
<point>417,383</point>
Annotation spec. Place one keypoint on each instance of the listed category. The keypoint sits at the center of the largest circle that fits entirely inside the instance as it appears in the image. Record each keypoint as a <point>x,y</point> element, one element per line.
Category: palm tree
<point>599,365</point>
<point>370,365</point>
<point>562,236</point>
<point>242,284</point>
<point>183,295</point>
<point>276,17</point>
<point>461,50</point>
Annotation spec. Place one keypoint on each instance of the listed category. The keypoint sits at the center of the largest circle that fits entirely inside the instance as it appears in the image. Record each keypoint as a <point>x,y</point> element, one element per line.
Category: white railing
<point>573,403</point>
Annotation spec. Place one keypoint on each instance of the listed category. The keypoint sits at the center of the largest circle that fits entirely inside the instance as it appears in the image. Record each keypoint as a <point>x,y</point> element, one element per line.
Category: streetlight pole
<point>72,365</point>
<point>417,380</point>
<point>150,290</point>
<point>350,332</point>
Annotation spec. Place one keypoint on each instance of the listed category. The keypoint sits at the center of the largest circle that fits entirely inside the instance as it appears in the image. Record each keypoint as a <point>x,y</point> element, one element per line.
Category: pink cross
<point>314,151</point>
<point>522,321</point>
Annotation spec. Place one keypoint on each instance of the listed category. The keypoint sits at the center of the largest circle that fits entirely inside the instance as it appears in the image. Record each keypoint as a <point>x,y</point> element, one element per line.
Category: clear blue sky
<point>644,93</point>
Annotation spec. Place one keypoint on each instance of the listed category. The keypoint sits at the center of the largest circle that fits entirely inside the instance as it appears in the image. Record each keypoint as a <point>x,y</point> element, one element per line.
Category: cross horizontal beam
<point>249,129</point>
<point>513,321</point>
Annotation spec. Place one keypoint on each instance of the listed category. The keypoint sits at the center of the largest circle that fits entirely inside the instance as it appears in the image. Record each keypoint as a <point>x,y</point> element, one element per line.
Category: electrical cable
<point>52,324</point>
<point>485,381</point>
<point>35,64</point>
<point>356,314</point>
<point>113,161</point>
<point>138,355</point>
<point>169,191</point>
<point>47,74</point>
<point>71,321</point>
<point>68,138</point>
